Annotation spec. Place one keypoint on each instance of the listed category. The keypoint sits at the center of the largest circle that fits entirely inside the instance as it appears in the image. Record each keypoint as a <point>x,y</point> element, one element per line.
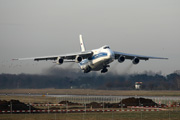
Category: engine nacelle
<point>135,61</point>
<point>121,59</point>
<point>78,59</point>
<point>60,60</point>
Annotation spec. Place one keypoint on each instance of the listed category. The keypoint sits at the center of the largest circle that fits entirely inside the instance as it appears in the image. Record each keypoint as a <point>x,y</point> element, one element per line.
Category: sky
<point>31,28</point>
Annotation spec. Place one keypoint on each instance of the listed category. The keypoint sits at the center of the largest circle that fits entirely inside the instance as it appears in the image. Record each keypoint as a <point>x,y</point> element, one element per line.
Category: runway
<point>99,98</point>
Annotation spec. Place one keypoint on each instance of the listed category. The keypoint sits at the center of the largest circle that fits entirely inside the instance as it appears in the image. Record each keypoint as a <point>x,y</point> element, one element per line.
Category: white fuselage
<point>101,58</point>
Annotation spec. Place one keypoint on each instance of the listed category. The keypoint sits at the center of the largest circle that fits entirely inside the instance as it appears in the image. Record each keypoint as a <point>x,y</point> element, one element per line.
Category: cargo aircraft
<point>94,60</point>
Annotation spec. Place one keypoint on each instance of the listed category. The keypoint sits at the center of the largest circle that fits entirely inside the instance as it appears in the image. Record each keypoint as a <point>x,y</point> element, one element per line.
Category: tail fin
<point>81,43</point>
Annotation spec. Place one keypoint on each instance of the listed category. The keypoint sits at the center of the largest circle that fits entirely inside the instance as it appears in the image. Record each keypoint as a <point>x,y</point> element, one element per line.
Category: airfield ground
<point>95,116</point>
<point>171,113</point>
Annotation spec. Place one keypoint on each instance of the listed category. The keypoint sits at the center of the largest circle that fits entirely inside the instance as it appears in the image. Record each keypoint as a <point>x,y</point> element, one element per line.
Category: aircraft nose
<point>111,54</point>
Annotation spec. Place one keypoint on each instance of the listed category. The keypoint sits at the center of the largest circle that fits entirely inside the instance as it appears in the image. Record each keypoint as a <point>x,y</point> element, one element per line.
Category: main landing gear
<point>104,70</point>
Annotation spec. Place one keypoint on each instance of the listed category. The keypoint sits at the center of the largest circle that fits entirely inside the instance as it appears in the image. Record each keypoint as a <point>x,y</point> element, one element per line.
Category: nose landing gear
<point>88,69</point>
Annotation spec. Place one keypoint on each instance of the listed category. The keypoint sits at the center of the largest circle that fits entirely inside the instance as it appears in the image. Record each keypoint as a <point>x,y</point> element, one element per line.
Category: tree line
<point>90,81</point>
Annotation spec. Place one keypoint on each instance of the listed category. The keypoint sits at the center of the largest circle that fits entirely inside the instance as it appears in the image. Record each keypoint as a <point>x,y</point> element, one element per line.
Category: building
<point>138,85</point>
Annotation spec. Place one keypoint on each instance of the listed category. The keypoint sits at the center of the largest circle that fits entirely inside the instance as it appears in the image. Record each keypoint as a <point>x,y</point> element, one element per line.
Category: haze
<point>30,28</point>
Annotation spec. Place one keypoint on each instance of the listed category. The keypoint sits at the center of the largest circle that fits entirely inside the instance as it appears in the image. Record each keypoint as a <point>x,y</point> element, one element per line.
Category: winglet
<point>81,44</point>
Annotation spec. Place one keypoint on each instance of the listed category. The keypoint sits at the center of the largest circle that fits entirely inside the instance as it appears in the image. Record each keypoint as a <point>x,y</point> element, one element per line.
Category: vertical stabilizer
<point>81,44</point>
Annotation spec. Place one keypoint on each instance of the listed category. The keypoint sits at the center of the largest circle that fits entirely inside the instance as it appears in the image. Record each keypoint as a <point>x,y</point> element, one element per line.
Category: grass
<point>91,92</point>
<point>95,116</point>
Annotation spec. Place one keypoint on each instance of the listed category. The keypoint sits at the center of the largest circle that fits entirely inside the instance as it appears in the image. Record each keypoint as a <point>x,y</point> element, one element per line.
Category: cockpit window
<point>106,47</point>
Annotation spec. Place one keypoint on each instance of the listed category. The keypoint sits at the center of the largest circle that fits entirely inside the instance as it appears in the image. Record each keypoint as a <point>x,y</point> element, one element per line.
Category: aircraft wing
<point>72,56</point>
<point>132,56</point>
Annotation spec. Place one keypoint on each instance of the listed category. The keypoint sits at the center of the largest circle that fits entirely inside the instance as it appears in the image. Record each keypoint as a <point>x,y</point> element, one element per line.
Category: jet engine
<point>135,61</point>
<point>121,59</point>
<point>78,59</point>
<point>60,60</point>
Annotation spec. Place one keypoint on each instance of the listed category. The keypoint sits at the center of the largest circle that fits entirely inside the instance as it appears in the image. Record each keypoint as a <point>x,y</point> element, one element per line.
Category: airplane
<point>94,60</point>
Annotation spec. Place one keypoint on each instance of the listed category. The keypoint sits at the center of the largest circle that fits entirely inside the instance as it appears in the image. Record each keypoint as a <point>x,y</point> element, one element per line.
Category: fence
<point>115,99</point>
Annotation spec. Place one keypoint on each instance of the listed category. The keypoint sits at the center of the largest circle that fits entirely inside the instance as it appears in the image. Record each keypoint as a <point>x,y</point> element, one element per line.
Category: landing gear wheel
<point>104,70</point>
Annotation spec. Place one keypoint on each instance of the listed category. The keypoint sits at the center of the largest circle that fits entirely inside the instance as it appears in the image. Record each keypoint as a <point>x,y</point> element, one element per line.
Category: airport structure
<point>138,85</point>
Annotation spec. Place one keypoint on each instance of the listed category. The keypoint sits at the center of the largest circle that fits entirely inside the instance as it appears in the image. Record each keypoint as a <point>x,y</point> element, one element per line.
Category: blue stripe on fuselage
<point>102,54</point>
